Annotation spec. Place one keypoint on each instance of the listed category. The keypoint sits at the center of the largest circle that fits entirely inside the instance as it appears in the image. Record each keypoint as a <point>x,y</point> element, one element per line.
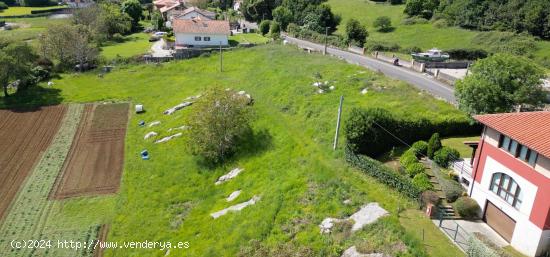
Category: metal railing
<point>455,232</point>
<point>463,166</point>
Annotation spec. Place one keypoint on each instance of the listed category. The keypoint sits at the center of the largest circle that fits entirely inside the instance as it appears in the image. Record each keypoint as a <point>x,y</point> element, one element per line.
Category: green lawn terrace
<point>425,36</point>
<point>23,10</point>
<point>288,161</point>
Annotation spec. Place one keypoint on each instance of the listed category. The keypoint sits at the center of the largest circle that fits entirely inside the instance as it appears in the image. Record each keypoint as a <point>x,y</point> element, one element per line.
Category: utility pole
<point>326,41</point>
<point>338,123</point>
<point>221,57</point>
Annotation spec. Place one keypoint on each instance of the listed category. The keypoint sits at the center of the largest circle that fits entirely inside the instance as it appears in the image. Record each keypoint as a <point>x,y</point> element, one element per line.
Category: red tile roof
<point>201,26</point>
<point>531,129</point>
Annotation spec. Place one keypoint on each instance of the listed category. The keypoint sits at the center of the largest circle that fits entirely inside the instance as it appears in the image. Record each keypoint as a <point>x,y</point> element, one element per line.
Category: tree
<point>134,10</point>
<point>501,83</point>
<point>283,16</point>
<point>434,144</point>
<point>114,20</point>
<point>257,10</point>
<point>274,29</point>
<point>16,63</point>
<point>82,50</point>
<point>382,23</point>
<point>56,42</point>
<point>356,33</point>
<point>264,27</point>
<point>319,17</point>
<point>157,20</point>
<point>220,121</point>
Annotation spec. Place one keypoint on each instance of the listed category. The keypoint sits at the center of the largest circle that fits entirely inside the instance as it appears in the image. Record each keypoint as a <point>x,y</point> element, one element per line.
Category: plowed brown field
<point>24,136</point>
<point>95,161</point>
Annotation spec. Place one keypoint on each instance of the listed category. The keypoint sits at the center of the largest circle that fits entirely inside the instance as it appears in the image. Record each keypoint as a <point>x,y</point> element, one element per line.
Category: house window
<point>517,150</point>
<point>506,188</point>
<point>206,38</point>
<point>197,38</point>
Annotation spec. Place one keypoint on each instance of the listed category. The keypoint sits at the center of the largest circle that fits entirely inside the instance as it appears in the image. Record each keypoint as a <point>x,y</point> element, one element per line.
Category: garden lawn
<point>18,10</point>
<point>288,161</point>
<point>458,144</point>
<point>249,38</point>
<point>425,36</point>
<point>133,45</point>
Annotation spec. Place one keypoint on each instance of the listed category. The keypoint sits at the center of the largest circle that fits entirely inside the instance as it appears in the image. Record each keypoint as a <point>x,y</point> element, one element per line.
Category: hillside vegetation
<point>288,160</point>
<point>427,34</point>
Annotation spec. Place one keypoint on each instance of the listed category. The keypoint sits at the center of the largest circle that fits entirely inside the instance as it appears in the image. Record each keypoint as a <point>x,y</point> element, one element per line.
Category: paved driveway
<point>419,80</point>
<point>158,51</point>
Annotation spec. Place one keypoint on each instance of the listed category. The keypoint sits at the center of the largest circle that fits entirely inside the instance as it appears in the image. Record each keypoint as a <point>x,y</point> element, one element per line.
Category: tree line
<point>75,44</point>
<point>532,16</point>
<point>312,15</point>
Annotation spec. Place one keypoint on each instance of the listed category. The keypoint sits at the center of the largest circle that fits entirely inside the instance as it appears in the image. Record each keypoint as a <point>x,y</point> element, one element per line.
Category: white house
<point>198,33</point>
<point>510,178</point>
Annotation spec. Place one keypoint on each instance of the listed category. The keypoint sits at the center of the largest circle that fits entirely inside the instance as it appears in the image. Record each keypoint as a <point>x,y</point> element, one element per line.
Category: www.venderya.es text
<point>97,244</point>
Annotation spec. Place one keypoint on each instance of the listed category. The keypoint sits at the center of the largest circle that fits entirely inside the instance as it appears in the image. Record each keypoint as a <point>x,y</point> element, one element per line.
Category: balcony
<point>463,168</point>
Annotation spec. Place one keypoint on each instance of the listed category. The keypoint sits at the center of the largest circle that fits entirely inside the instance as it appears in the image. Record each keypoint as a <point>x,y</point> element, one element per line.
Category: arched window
<point>506,188</point>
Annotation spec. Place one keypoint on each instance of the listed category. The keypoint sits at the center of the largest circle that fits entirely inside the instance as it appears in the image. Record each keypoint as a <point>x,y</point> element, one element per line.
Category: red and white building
<point>510,178</point>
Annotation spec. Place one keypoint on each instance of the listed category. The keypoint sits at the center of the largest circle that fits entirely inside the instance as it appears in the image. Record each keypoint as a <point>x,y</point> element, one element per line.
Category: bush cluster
<point>422,181</point>
<point>414,169</point>
<point>264,27</point>
<point>467,54</point>
<point>383,174</point>
<point>433,145</point>
<point>430,197</point>
<point>300,32</point>
<point>365,136</point>
<point>380,46</point>
<point>467,207</point>
<point>445,156</point>
<point>420,149</point>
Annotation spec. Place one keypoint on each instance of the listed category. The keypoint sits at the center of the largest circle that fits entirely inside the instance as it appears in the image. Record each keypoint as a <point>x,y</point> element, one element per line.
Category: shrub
<point>453,175</point>
<point>433,145</point>
<point>407,158</point>
<point>3,6</point>
<point>382,23</point>
<point>422,182</point>
<point>383,174</point>
<point>445,156</point>
<point>430,197</point>
<point>414,169</point>
<point>467,207</point>
<point>441,23</point>
<point>412,49</point>
<point>467,54</point>
<point>452,189</point>
<point>300,32</point>
<point>372,46</point>
<point>274,29</point>
<point>264,27</point>
<point>356,33</point>
<point>420,148</point>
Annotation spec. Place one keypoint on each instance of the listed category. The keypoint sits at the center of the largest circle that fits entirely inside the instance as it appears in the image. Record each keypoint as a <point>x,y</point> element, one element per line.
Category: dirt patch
<point>24,136</point>
<point>95,161</point>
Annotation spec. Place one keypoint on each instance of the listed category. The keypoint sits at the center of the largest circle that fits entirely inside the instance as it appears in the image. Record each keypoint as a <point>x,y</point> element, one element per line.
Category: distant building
<point>195,13</point>
<point>510,178</point>
<point>197,33</point>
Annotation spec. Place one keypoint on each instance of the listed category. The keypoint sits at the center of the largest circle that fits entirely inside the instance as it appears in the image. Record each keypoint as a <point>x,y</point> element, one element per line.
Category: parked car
<point>154,38</point>
<point>160,33</point>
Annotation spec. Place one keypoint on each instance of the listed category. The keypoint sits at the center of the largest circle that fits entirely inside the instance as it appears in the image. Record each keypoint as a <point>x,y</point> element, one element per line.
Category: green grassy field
<point>133,45</point>
<point>28,29</point>
<point>18,10</point>
<point>425,36</point>
<point>251,38</point>
<point>288,161</point>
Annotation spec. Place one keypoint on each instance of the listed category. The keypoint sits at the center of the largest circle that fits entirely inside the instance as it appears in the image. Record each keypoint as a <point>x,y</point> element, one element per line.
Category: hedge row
<point>48,10</point>
<point>299,32</point>
<point>367,130</point>
<point>383,174</point>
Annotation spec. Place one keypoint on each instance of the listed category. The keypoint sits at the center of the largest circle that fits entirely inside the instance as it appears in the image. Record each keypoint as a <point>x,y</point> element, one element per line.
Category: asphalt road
<point>419,80</point>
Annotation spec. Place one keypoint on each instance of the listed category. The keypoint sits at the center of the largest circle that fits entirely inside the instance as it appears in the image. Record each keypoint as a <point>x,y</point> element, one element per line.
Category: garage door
<point>499,221</point>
